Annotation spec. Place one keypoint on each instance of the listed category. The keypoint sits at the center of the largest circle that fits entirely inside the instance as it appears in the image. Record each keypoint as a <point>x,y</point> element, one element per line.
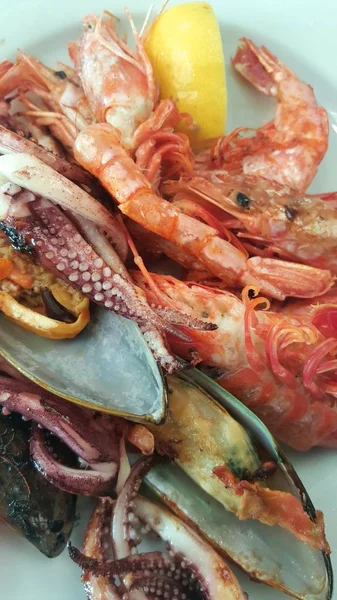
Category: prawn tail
<point>248,62</point>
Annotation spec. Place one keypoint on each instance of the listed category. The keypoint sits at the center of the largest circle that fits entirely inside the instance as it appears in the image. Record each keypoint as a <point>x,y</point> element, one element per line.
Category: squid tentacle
<point>96,544</point>
<point>88,482</point>
<point>93,441</point>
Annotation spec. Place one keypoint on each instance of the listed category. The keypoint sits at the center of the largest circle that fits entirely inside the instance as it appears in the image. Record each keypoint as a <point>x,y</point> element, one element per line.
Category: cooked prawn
<point>279,366</point>
<point>295,226</point>
<point>289,148</point>
<point>63,107</point>
<point>98,150</point>
<point>120,88</point>
<point>117,82</point>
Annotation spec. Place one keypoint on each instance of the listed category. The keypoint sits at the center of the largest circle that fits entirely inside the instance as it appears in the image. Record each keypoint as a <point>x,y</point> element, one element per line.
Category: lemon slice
<point>185,49</point>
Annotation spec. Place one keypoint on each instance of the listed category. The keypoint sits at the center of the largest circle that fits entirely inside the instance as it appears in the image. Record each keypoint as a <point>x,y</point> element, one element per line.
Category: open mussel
<point>229,479</point>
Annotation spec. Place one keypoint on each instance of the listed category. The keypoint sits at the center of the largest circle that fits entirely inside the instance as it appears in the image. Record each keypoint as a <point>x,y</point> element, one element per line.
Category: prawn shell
<point>268,554</point>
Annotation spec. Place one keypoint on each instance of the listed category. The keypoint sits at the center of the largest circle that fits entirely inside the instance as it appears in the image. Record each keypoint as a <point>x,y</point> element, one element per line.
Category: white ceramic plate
<point>303,34</point>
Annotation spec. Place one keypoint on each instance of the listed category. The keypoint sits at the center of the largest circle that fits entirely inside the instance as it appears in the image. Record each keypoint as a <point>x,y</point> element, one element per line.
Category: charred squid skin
<point>94,440</point>
<point>88,482</point>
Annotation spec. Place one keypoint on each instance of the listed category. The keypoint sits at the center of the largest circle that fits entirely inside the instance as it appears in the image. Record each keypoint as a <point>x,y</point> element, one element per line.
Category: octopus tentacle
<point>59,245</point>
<point>96,544</point>
<point>135,563</point>
<point>157,344</point>
<point>123,535</point>
<point>88,482</point>
<point>136,594</point>
<point>191,570</point>
<point>101,245</point>
<point>62,249</point>
<point>215,578</point>
<point>97,536</point>
<point>160,586</point>
<point>93,441</point>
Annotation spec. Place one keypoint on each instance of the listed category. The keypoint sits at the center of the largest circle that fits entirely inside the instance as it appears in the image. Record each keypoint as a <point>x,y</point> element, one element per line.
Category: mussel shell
<point>268,554</point>
<point>290,481</point>
<point>30,504</point>
<point>107,367</point>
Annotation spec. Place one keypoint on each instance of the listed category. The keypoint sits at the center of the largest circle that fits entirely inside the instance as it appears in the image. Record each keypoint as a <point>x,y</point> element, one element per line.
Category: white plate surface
<point>304,35</point>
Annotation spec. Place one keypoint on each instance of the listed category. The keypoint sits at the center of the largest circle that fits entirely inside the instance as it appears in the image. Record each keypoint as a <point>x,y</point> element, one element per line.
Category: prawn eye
<point>60,74</point>
<point>290,212</point>
<point>243,200</point>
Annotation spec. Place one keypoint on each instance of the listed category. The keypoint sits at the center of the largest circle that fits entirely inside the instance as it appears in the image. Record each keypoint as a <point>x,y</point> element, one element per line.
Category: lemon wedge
<point>185,49</point>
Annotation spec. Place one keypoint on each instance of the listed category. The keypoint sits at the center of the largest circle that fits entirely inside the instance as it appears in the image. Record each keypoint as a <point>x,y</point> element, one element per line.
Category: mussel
<point>229,479</point>
<point>226,476</point>
<point>30,504</point>
<point>107,367</point>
